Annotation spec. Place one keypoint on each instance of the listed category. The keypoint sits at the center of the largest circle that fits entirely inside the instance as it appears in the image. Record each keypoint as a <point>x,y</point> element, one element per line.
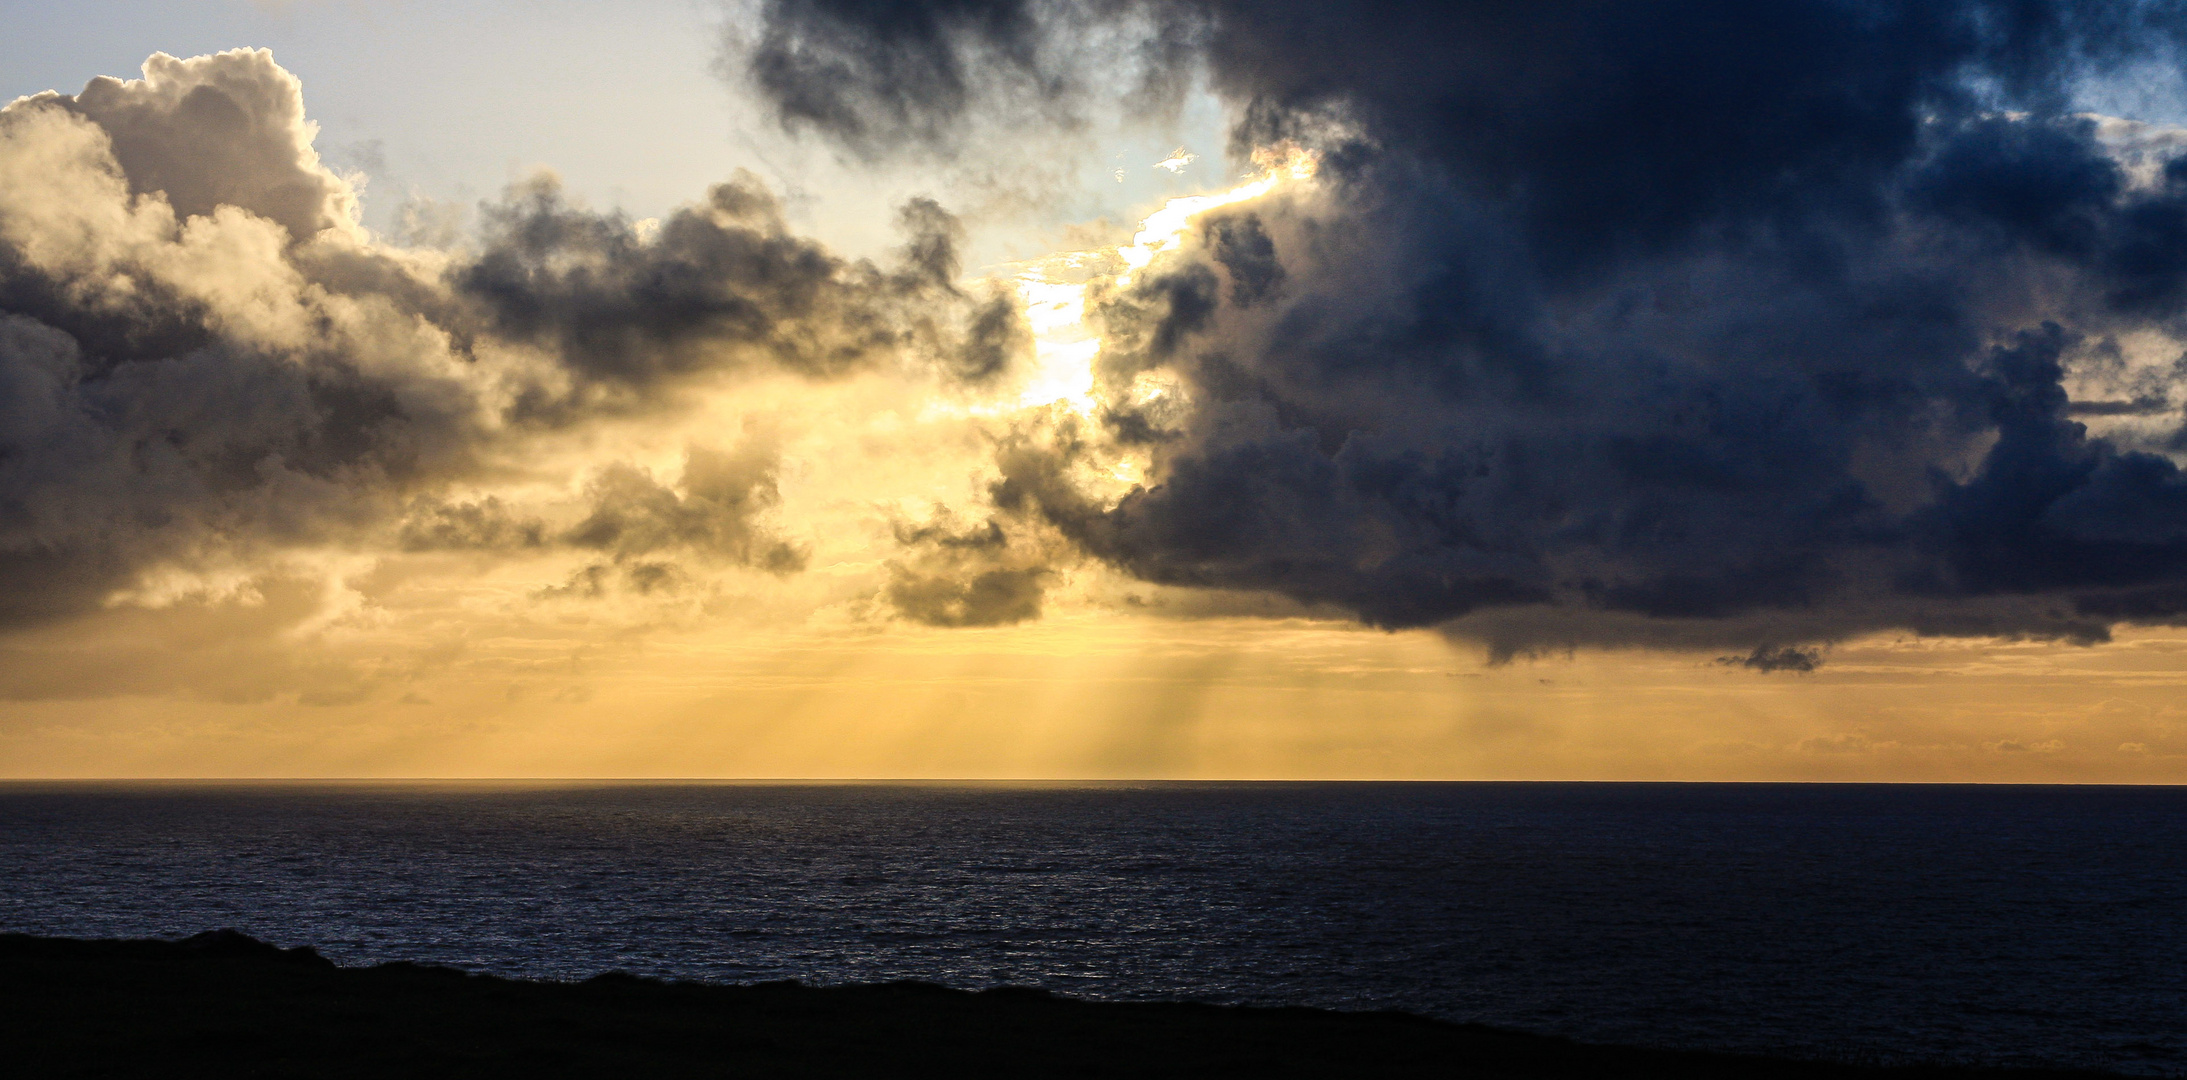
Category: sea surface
<point>2008,925</point>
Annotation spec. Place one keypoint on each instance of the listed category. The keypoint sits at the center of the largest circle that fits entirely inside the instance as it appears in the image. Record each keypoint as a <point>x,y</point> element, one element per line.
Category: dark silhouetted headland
<point>226,1004</point>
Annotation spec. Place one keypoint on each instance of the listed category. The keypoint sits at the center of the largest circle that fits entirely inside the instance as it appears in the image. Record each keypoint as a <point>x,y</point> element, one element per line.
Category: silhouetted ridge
<point>235,943</point>
<point>224,1003</point>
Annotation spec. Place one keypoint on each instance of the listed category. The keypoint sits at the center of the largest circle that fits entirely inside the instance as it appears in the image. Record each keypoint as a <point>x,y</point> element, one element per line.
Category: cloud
<point>1785,658</point>
<point>2009,746</point>
<point>712,285</point>
<point>1852,742</point>
<point>482,525</point>
<point>1732,325</point>
<point>712,517</point>
<point>214,131</point>
<point>206,363</point>
<point>951,575</point>
<point>886,78</point>
<point>1733,329</point>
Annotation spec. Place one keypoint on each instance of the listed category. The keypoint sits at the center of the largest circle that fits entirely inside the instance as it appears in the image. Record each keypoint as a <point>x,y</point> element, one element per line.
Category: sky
<point>1094,388</point>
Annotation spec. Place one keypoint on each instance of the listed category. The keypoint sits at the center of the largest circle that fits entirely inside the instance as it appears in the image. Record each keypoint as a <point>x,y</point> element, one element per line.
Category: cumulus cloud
<point>203,135</point>
<point>206,362</point>
<point>1610,324</point>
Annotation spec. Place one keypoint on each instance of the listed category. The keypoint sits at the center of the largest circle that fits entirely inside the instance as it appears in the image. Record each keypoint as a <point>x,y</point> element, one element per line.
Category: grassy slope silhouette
<point>224,1004</point>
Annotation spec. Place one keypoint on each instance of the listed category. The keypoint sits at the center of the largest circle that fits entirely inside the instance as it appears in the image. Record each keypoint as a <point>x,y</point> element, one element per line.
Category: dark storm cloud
<point>1701,324</point>
<point>205,361</point>
<point>878,75</point>
<point>720,281</point>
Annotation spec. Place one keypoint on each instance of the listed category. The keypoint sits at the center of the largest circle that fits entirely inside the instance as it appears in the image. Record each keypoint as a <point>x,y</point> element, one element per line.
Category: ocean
<point>1982,924</point>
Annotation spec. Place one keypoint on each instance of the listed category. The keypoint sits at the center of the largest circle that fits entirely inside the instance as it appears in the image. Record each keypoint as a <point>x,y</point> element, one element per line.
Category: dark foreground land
<point>224,1004</point>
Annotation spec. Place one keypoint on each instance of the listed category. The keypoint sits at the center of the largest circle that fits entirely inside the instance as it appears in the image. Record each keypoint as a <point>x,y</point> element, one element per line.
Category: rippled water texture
<point>2019,925</point>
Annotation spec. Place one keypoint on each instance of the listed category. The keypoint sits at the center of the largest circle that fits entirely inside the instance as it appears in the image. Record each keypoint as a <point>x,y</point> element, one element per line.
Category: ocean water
<point>2010,925</point>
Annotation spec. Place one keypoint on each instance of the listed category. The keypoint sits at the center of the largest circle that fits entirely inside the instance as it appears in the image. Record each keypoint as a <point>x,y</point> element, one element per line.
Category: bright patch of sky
<point>451,101</point>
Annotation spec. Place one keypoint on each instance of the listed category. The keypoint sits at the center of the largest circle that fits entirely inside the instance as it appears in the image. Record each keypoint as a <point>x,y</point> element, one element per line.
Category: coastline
<point>224,1003</point>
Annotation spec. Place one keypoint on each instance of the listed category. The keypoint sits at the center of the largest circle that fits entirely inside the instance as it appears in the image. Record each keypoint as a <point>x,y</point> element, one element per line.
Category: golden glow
<point>1093,694</point>
<point>1053,288</point>
<point>1164,230</point>
<point>386,660</point>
